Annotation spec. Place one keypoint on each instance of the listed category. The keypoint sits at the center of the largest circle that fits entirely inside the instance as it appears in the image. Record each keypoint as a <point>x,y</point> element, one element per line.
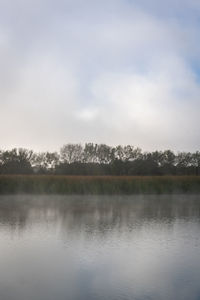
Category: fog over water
<point>89,247</point>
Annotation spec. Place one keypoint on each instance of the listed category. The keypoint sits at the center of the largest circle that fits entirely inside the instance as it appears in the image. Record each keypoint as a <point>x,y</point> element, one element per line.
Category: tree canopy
<point>99,159</point>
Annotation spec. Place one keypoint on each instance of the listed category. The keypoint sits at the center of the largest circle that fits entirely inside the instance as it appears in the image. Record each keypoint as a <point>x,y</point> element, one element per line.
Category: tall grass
<point>49,184</point>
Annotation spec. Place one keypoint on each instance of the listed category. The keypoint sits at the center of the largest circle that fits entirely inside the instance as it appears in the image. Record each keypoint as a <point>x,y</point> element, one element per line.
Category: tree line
<point>99,159</point>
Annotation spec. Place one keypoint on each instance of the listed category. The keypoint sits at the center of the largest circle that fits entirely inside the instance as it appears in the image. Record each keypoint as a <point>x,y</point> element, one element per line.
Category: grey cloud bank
<point>117,72</point>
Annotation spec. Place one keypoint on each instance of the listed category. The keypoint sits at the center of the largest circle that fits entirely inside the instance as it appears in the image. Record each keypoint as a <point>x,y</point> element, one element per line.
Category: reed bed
<point>55,184</point>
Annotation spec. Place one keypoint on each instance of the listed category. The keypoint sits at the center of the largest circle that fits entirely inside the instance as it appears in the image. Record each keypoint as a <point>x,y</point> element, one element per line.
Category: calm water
<point>92,248</point>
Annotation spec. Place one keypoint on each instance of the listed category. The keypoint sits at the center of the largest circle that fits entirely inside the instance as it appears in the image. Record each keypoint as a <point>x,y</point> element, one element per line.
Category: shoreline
<point>98,185</point>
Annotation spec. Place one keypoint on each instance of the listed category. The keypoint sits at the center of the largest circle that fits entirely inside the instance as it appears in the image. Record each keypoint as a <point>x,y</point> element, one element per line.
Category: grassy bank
<point>45,184</point>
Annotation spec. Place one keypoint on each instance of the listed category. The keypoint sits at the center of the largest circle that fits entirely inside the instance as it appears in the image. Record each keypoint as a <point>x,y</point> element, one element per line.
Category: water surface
<point>96,248</point>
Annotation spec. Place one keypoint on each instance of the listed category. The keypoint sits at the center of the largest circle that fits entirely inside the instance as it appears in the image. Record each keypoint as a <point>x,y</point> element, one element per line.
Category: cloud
<point>150,108</point>
<point>109,71</point>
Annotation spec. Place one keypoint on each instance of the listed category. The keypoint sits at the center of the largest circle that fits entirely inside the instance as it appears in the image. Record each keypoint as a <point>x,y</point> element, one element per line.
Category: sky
<point>109,71</point>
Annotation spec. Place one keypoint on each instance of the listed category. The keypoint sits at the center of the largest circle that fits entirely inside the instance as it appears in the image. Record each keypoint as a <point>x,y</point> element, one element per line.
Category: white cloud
<point>109,71</point>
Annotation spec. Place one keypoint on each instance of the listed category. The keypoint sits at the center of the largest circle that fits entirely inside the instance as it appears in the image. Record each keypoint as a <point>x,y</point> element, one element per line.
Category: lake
<point>100,247</point>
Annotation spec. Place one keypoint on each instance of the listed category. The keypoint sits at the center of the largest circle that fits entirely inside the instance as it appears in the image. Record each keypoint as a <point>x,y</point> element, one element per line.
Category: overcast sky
<point>106,71</point>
